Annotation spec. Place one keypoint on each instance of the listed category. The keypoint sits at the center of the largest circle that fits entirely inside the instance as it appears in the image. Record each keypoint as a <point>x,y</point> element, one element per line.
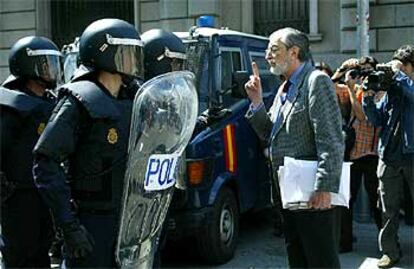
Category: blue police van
<point>226,171</point>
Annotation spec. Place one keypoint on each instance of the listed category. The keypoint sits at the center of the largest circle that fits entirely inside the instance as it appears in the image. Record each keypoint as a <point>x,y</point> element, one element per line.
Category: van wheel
<point>218,243</point>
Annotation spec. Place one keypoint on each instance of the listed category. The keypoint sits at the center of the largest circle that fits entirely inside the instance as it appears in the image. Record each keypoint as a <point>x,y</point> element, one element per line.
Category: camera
<point>379,80</point>
<point>354,73</point>
<point>360,72</point>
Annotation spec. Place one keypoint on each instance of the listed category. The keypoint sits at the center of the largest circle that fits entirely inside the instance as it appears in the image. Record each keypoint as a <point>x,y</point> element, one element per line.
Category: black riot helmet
<point>164,52</point>
<point>112,45</point>
<point>35,57</point>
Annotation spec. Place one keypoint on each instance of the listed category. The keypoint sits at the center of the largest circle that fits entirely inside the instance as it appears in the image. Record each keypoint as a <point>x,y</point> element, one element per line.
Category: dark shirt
<point>394,151</point>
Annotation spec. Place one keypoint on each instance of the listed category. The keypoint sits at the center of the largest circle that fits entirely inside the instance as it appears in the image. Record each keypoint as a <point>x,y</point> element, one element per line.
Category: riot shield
<point>163,118</point>
<point>70,59</point>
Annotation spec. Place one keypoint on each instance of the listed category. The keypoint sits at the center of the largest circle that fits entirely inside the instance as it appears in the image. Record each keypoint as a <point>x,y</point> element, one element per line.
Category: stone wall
<point>391,25</point>
<point>180,15</point>
<point>174,15</point>
<point>17,19</point>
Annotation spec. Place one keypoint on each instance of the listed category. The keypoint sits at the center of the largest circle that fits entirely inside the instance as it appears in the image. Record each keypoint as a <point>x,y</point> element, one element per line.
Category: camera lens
<point>373,79</point>
<point>353,74</point>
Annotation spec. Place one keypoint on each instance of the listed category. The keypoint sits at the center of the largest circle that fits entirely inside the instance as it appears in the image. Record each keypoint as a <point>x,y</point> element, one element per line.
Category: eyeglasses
<point>274,49</point>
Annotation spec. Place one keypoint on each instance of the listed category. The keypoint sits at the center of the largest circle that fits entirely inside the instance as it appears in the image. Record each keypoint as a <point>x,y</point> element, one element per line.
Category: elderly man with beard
<point>304,122</point>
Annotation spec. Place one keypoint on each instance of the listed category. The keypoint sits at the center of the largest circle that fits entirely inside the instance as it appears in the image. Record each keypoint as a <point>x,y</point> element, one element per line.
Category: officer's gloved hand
<point>78,242</point>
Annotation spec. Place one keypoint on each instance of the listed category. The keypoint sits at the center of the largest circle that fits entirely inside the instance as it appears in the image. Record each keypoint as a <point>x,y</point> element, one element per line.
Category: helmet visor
<point>129,60</point>
<point>48,68</point>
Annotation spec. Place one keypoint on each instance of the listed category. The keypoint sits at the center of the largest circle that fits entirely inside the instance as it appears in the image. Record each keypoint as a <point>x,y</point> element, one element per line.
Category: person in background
<point>363,155</point>
<point>342,90</point>
<point>25,106</point>
<point>324,67</point>
<point>394,113</point>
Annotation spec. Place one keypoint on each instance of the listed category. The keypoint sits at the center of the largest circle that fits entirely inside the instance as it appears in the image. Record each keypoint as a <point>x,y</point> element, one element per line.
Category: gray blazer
<point>307,126</point>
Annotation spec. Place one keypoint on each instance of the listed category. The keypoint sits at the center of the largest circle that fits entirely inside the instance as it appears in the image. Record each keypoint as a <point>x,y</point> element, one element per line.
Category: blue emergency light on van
<point>205,21</point>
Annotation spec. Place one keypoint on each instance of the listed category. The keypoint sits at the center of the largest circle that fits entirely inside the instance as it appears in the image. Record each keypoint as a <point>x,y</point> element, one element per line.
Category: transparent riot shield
<point>70,59</point>
<point>163,119</point>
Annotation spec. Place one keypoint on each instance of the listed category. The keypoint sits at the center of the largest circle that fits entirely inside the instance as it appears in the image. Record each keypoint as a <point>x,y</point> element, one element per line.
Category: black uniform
<point>89,129</point>
<point>25,220</point>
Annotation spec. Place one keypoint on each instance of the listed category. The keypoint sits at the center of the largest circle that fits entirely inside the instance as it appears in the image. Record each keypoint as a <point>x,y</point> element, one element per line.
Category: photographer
<point>363,153</point>
<point>394,113</point>
<point>342,91</point>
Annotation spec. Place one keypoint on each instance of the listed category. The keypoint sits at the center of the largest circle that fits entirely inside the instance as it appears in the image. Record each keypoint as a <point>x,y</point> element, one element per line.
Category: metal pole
<point>313,17</point>
<point>247,16</point>
<point>362,209</point>
<point>137,18</point>
<point>363,28</point>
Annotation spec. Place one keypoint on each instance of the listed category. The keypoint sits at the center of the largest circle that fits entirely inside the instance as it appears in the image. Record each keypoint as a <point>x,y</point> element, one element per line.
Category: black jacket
<point>89,131</point>
<point>23,117</point>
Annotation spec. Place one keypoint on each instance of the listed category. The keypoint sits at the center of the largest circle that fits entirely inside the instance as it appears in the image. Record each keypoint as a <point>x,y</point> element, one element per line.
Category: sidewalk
<point>259,248</point>
<point>366,253</point>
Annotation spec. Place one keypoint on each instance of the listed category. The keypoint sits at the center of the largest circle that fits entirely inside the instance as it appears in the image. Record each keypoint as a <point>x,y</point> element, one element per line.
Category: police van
<point>226,172</point>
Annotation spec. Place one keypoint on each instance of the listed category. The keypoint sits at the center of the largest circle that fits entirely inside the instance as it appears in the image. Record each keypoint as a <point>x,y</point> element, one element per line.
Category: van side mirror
<point>239,78</point>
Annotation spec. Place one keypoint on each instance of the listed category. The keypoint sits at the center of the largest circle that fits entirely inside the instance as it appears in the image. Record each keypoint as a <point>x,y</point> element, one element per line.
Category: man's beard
<point>280,69</point>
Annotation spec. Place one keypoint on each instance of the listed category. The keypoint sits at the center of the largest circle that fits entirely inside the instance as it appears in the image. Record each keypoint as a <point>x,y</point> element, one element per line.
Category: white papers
<point>297,183</point>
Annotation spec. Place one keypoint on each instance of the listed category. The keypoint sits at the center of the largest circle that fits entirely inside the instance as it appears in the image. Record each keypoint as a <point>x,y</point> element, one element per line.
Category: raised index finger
<point>255,69</point>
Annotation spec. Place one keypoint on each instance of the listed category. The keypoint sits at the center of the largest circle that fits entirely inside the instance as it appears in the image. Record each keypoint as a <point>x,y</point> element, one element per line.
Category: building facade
<point>331,24</point>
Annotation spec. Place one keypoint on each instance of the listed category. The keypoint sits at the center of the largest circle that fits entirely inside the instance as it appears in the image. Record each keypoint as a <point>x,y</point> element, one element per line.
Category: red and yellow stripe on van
<point>230,150</point>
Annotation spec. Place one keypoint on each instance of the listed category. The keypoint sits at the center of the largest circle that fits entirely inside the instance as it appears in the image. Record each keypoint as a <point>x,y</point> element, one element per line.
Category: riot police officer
<point>25,108</point>
<point>164,52</point>
<point>89,129</point>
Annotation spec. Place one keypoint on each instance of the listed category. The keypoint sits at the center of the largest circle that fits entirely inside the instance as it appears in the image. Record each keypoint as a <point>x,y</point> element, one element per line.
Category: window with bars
<point>70,17</point>
<point>270,15</point>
